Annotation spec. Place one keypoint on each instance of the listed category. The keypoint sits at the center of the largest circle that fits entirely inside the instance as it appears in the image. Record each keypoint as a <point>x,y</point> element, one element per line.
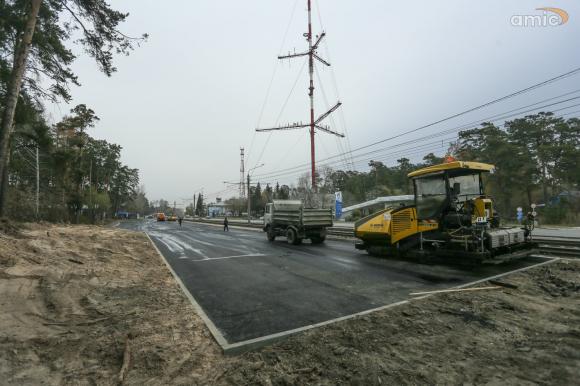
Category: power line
<point>502,115</point>
<point>335,84</point>
<point>537,85</point>
<point>281,111</point>
<point>300,169</point>
<point>293,170</point>
<point>277,62</point>
<point>401,151</point>
<point>312,54</point>
<point>298,172</point>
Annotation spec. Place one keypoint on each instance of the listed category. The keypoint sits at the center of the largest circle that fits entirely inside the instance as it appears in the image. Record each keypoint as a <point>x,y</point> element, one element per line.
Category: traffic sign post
<point>338,205</point>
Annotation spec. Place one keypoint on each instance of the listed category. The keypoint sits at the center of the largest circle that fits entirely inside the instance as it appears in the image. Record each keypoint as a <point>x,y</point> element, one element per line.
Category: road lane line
<point>189,237</point>
<point>175,245</point>
<point>231,257</point>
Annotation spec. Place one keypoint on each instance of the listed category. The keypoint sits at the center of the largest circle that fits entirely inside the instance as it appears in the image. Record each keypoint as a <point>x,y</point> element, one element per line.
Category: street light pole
<point>249,199</point>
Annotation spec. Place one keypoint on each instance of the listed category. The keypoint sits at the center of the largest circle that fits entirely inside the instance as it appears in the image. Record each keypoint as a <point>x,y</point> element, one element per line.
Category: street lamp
<point>249,195</point>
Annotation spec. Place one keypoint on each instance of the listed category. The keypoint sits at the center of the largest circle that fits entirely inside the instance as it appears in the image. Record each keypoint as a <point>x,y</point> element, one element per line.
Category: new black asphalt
<point>251,288</point>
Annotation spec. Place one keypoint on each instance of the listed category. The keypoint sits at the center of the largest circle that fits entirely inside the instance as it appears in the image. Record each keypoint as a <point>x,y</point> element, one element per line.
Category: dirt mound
<point>70,297</point>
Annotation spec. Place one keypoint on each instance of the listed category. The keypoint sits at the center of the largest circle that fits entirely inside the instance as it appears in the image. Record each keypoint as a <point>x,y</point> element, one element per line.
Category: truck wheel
<point>270,235</point>
<point>292,237</point>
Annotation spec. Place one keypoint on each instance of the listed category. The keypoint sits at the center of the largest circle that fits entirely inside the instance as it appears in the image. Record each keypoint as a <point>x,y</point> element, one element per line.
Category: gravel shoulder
<point>80,302</point>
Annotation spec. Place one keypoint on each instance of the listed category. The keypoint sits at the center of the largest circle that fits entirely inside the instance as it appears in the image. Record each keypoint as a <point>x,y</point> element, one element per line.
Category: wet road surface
<point>251,288</point>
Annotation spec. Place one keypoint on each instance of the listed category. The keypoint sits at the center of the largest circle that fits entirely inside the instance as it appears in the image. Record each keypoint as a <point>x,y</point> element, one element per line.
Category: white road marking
<point>175,245</point>
<point>231,257</point>
<point>199,241</point>
<point>240,247</point>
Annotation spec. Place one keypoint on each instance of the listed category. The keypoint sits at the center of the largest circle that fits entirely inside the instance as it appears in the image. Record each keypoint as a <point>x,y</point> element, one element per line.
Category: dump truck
<point>451,218</point>
<point>291,219</point>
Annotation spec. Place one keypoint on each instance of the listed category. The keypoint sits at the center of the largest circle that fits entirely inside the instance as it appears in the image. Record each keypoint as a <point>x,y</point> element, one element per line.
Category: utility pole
<point>314,123</point>
<point>242,185</point>
<point>249,200</point>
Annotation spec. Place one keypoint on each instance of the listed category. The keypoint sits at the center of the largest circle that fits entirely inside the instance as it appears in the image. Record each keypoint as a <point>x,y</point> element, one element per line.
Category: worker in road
<point>226,229</point>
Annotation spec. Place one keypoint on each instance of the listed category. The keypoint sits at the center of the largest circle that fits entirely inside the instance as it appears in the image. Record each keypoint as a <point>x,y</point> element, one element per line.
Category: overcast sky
<point>183,103</point>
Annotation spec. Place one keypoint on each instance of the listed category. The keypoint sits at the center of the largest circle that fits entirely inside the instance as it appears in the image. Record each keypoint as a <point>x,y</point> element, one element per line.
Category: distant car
<point>172,218</point>
<point>160,216</point>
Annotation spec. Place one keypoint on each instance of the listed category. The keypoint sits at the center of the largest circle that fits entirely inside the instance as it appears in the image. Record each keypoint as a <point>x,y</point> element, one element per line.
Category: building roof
<point>455,165</point>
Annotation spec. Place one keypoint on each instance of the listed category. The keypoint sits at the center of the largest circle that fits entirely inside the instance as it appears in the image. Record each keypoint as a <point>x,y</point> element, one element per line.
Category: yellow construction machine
<point>451,218</point>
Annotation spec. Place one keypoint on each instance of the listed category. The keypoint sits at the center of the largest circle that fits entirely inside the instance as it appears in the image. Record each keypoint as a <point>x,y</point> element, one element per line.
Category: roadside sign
<point>520,209</point>
<point>534,213</point>
<point>338,207</point>
<point>533,206</point>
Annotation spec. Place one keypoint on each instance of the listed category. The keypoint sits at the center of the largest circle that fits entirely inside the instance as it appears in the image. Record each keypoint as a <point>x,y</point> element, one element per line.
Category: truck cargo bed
<point>317,218</point>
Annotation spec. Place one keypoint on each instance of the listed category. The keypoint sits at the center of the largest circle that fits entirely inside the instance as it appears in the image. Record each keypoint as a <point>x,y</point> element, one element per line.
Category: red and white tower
<point>314,123</point>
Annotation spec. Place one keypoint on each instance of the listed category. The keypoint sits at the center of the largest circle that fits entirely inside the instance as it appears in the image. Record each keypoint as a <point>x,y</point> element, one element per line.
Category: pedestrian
<point>226,229</point>
<point>179,220</point>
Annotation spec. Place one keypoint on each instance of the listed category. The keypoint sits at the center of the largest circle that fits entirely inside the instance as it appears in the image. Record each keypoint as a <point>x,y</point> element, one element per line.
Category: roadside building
<point>217,209</point>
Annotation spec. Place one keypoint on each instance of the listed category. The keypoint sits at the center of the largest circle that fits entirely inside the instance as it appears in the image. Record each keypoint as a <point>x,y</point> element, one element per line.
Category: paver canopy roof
<point>455,165</point>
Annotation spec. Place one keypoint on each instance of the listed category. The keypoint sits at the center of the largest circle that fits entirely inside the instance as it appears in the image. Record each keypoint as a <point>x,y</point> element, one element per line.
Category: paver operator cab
<point>291,219</point>
<point>451,218</point>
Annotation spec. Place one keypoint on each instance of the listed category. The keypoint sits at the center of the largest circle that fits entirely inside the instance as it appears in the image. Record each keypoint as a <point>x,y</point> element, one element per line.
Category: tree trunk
<point>544,182</point>
<point>4,189</point>
<point>12,92</point>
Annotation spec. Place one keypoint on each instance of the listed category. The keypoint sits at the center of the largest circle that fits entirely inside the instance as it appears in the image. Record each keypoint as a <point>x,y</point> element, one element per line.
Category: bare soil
<point>79,303</point>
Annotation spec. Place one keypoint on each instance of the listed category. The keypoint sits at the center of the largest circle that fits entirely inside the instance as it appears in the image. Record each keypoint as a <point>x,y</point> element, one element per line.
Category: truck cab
<point>268,210</point>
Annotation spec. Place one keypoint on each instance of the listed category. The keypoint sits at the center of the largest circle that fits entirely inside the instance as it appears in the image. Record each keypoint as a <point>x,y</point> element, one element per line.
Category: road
<point>251,288</point>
